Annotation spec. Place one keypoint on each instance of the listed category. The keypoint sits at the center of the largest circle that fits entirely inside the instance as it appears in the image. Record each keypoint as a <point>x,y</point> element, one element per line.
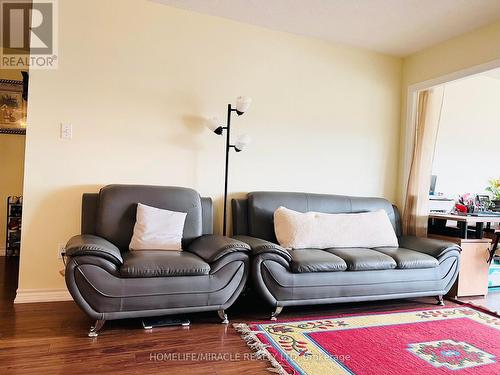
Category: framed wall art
<point>12,107</point>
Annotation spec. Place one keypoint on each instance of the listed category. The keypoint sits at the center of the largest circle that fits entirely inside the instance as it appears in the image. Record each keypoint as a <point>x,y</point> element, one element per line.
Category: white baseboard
<point>3,252</point>
<point>42,295</point>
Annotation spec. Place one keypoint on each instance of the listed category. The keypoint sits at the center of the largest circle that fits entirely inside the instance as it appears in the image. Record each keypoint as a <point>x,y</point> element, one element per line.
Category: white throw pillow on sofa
<point>157,229</point>
<point>316,230</point>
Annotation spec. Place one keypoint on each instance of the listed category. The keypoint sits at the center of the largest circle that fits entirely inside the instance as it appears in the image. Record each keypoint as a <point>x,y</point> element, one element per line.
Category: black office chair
<point>494,247</point>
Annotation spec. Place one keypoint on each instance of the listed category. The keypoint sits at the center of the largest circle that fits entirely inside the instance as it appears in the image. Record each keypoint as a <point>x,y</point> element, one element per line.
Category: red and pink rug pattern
<point>455,340</point>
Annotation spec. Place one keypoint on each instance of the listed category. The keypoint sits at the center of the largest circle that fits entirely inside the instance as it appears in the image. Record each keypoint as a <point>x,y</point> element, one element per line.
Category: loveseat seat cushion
<point>315,260</point>
<point>362,259</point>
<point>409,259</point>
<point>161,263</point>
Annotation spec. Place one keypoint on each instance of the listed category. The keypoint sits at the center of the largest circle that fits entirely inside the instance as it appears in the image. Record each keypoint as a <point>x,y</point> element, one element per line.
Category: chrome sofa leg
<point>440,300</point>
<point>276,312</point>
<point>222,314</point>
<point>94,330</point>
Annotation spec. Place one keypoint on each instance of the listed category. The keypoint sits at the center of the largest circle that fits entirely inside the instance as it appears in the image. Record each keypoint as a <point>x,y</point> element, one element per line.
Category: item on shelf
<point>494,189</point>
<point>440,203</point>
<point>495,205</point>
<point>13,224</point>
<point>468,203</point>
<point>483,202</point>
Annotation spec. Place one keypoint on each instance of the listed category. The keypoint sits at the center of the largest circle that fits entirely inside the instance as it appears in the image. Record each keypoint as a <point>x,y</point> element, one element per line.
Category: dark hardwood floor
<point>50,338</point>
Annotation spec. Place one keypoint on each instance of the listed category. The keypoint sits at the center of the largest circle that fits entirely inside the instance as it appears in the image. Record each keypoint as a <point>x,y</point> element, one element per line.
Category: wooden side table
<point>473,273</point>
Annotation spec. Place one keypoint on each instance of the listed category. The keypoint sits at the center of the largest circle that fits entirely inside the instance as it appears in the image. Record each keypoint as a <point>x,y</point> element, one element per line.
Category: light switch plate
<point>61,248</point>
<point>66,131</point>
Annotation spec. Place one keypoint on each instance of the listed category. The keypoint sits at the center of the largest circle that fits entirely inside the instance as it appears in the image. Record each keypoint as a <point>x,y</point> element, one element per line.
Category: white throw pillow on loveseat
<point>157,229</point>
<point>316,230</point>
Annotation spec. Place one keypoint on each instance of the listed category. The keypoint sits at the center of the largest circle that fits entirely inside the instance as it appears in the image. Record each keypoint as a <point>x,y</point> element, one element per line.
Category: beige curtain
<point>415,216</point>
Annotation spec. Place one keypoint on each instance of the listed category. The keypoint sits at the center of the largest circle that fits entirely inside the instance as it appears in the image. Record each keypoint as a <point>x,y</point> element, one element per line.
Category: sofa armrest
<point>88,244</point>
<point>260,246</point>
<point>212,247</point>
<point>430,246</point>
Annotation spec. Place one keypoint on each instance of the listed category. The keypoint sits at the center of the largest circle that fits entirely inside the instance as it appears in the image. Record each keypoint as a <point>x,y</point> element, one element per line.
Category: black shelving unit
<point>14,221</point>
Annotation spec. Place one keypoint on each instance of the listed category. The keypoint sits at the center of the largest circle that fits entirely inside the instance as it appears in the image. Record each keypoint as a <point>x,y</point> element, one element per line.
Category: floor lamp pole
<point>228,146</point>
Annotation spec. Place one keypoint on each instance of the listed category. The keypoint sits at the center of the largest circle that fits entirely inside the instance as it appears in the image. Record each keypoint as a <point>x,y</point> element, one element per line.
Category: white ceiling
<point>395,27</point>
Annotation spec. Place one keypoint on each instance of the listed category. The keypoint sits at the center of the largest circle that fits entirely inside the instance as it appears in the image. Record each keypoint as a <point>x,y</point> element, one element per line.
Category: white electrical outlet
<point>61,248</point>
<point>66,131</point>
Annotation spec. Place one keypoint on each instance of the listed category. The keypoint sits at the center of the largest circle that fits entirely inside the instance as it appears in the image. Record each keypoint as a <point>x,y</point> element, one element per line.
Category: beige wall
<point>135,79</point>
<point>11,164</point>
<point>11,175</point>
<point>467,148</point>
<point>475,48</point>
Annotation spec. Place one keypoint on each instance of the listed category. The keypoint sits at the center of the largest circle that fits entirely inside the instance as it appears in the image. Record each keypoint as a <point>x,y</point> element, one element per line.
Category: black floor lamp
<point>242,105</point>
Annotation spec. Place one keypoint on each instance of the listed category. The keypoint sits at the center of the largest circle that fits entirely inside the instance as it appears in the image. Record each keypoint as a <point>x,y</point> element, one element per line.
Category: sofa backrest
<point>111,213</point>
<point>254,216</point>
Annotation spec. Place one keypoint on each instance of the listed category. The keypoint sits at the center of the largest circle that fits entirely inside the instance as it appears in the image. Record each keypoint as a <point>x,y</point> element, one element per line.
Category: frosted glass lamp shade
<point>241,142</point>
<point>243,104</point>
<point>213,124</point>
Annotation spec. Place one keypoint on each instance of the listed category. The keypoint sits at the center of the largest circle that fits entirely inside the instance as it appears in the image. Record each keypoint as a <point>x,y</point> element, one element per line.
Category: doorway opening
<point>460,182</point>
<point>13,109</point>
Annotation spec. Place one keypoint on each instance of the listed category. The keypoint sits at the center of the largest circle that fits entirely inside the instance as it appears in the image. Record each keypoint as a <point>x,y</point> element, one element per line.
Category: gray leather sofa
<point>419,267</point>
<point>109,282</point>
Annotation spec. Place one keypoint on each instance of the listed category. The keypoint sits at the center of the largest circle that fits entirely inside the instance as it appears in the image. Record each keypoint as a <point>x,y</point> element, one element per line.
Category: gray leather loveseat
<point>419,267</point>
<point>108,281</point>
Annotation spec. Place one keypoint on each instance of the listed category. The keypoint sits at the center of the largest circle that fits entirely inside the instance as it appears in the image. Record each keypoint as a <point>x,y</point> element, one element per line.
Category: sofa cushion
<point>362,259</point>
<point>158,263</point>
<point>116,214</point>
<point>157,229</point>
<point>317,230</point>
<point>262,204</point>
<point>315,260</point>
<point>409,259</point>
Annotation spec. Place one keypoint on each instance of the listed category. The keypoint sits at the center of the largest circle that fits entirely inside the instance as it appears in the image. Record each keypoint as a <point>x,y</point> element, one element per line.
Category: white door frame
<point>411,109</point>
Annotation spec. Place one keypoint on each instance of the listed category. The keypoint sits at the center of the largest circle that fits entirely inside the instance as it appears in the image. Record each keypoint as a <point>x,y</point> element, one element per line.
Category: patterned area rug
<point>456,340</point>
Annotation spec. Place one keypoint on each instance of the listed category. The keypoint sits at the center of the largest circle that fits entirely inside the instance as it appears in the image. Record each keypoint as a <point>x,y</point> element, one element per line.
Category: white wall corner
<point>42,295</point>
